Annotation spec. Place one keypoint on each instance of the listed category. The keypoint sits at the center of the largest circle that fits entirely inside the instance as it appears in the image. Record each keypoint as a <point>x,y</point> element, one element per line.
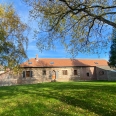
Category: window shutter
<point>63,72</point>
<point>66,72</point>
<point>23,74</point>
<point>50,74</point>
<point>31,73</point>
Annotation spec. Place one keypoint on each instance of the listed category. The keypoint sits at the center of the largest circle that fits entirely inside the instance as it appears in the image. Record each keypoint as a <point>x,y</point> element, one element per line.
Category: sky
<point>32,50</point>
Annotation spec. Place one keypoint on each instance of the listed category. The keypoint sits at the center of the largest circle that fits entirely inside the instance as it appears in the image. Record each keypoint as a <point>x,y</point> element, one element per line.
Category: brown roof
<point>54,62</point>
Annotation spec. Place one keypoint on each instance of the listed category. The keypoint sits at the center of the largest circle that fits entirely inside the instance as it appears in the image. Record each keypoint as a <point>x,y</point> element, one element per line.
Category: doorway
<point>53,75</point>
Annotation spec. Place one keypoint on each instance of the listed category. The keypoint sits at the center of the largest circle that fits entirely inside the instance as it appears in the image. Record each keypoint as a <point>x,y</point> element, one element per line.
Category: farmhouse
<point>37,70</point>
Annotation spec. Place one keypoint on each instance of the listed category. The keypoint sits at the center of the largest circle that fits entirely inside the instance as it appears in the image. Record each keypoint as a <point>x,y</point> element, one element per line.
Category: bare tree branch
<point>81,25</point>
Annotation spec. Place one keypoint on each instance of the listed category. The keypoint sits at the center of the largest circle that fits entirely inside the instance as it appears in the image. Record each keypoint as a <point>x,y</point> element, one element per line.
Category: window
<point>51,62</point>
<point>64,72</point>
<point>29,62</point>
<point>75,72</point>
<point>101,72</point>
<point>44,72</point>
<point>27,74</point>
<point>88,74</point>
<point>96,62</point>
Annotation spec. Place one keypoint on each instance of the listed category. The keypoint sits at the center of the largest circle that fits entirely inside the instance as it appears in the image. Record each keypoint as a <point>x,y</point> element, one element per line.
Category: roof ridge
<point>74,58</point>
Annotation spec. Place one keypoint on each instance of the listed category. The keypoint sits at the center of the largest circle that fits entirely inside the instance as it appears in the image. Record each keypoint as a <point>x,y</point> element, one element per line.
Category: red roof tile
<point>54,62</point>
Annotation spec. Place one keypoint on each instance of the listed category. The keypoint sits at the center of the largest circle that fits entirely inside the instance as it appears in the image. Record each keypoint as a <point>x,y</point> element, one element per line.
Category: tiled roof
<point>54,62</point>
<point>105,67</point>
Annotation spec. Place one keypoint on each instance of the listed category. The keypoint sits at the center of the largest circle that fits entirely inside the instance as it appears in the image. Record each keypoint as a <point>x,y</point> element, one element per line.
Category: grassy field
<point>59,99</point>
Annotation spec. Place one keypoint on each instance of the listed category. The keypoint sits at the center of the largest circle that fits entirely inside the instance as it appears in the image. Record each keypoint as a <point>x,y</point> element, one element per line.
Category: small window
<point>96,62</point>
<point>101,72</point>
<point>27,74</point>
<point>51,62</point>
<point>64,72</point>
<point>75,72</point>
<point>29,62</point>
<point>88,74</point>
<point>44,72</point>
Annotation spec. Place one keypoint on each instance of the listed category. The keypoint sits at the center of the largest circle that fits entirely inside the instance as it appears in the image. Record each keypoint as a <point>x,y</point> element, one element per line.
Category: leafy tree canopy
<point>112,59</point>
<point>81,25</point>
<point>13,39</point>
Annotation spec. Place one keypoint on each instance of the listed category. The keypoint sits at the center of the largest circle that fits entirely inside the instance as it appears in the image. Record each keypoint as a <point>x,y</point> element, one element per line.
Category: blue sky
<point>32,50</point>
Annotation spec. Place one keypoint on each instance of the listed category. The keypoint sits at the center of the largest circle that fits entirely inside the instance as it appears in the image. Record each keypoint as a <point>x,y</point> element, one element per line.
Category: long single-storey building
<point>37,70</point>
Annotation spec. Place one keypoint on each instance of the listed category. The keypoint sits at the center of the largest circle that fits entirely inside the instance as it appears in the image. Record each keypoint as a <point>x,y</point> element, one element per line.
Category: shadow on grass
<point>93,97</point>
<point>35,109</point>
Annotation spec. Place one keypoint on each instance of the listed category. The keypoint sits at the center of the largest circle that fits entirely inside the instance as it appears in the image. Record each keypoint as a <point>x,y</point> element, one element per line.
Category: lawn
<point>59,99</point>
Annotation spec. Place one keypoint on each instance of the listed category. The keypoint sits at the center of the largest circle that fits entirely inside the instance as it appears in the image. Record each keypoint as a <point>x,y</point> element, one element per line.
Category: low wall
<point>31,80</point>
<point>6,79</point>
<point>8,82</point>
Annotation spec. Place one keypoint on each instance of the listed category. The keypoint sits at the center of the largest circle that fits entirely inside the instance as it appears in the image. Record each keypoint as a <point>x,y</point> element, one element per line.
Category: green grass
<point>59,99</point>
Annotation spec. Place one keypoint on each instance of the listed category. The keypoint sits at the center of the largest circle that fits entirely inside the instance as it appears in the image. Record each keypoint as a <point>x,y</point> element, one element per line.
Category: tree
<point>81,25</point>
<point>13,39</point>
<point>112,59</point>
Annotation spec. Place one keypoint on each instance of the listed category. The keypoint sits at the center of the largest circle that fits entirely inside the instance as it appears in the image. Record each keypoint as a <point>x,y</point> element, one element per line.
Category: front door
<point>53,75</point>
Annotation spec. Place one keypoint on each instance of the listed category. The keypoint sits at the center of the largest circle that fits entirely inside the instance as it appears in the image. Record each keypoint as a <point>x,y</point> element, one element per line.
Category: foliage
<point>81,25</point>
<point>112,59</point>
<point>13,39</point>
<point>59,99</point>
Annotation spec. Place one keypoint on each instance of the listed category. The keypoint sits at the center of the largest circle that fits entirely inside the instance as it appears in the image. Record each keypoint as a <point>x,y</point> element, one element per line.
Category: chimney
<point>36,57</point>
